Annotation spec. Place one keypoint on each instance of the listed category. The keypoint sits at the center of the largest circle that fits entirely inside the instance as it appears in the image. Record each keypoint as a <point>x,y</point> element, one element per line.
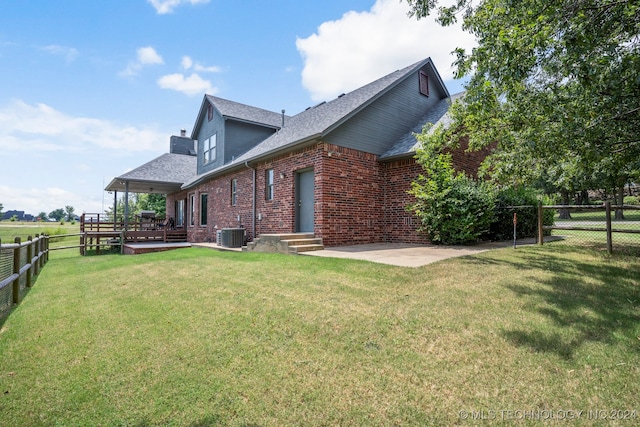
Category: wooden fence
<point>20,263</point>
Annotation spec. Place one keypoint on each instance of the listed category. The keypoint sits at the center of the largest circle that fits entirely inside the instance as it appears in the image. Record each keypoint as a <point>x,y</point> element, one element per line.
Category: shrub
<point>631,200</point>
<point>452,208</point>
<point>510,201</point>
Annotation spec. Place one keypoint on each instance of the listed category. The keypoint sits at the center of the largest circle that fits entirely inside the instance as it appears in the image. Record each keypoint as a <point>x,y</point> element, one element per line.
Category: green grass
<point>600,215</point>
<point>198,337</point>
<point>9,230</point>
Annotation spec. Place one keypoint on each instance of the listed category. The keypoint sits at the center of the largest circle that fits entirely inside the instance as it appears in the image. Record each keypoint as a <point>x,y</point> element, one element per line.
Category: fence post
<point>46,248</point>
<point>16,270</point>
<point>607,206</point>
<point>540,225</point>
<point>29,258</point>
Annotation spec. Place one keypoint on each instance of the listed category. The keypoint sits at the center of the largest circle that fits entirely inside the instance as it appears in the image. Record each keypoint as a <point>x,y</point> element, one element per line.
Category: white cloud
<point>187,63</point>
<point>148,55</point>
<point>145,56</point>
<point>41,128</point>
<point>166,6</point>
<point>69,53</point>
<point>46,199</point>
<point>207,69</point>
<point>192,85</point>
<point>363,46</point>
<point>51,159</point>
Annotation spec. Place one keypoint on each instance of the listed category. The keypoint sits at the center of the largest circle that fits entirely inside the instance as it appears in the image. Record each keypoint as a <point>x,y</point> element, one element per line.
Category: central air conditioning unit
<point>232,237</point>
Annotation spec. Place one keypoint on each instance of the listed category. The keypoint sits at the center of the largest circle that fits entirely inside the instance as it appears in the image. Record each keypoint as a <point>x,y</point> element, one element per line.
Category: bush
<point>453,211</point>
<point>631,200</point>
<point>510,201</point>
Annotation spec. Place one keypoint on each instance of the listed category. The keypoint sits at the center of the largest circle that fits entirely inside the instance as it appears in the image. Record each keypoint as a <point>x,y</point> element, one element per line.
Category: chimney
<point>183,132</point>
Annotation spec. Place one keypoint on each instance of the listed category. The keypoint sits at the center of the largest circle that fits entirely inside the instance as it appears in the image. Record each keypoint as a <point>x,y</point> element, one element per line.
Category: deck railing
<point>20,263</point>
<point>99,231</point>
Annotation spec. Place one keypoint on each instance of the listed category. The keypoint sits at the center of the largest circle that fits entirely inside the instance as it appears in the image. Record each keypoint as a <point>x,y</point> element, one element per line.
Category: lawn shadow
<point>585,302</point>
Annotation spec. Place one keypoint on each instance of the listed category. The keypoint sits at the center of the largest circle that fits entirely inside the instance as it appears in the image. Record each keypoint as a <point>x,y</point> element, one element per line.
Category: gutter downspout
<point>253,202</point>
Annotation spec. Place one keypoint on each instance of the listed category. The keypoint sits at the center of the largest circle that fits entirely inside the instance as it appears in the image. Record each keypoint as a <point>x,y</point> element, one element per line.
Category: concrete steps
<point>289,243</point>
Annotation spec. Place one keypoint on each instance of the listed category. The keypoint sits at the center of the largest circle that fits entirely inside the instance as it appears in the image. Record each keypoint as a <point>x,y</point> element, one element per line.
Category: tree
<point>58,214</point>
<point>153,202</point>
<point>1,208</point>
<point>42,216</point>
<point>69,212</point>
<point>554,84</point>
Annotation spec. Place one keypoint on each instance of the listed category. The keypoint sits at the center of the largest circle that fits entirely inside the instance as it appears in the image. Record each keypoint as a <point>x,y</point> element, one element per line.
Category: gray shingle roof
<point>319,120</point>
<point>246,113</point>
<point>169,171</point>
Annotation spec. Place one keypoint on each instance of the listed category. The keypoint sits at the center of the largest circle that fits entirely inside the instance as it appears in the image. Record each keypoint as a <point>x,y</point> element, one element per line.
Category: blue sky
<point>92,89</point>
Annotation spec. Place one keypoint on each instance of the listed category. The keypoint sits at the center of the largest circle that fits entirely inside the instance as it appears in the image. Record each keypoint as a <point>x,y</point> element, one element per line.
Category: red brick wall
<point>349,197</point>
<point>278,215</point>
<point>400,225</point>
<point>357,198</point>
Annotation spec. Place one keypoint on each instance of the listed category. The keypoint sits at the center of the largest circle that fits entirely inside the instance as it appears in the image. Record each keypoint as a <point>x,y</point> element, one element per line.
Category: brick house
<point>339,170</point>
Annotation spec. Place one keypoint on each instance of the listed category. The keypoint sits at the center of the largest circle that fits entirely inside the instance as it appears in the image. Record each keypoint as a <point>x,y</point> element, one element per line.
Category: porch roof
<point>162,175</point>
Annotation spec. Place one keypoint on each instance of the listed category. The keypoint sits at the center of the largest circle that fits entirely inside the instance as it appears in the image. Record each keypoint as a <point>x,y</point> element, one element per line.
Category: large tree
<point>57,214</point>
<point>69,212</point>
<point>554,83</point>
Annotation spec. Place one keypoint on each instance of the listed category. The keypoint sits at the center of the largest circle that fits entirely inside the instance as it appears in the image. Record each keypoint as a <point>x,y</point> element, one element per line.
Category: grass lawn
<point>198,337</point>
<point>9,230</point>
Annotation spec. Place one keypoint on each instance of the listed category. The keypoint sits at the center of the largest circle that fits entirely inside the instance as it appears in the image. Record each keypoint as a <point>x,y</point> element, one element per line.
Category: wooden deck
<point>100,233</point>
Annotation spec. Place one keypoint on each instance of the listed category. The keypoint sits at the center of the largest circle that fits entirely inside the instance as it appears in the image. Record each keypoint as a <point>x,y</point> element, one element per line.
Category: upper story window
<point>424,83</point>
<point>209,112</point>
<point>268,179</point>
<point>209,149</point>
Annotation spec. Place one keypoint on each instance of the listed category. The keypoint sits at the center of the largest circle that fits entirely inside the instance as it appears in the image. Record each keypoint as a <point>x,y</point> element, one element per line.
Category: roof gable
<point>239,112</point>
<point>325,117</point>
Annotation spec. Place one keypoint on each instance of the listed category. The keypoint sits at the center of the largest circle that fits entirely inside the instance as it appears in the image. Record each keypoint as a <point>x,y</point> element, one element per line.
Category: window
<point>269,184</point>
<point>209,149</point>
<point>424,83</point>
<point>204,198</point>
<point>179,213</point>
<point>234,192</point>
<point>192,211</point>
<point>209,112</point>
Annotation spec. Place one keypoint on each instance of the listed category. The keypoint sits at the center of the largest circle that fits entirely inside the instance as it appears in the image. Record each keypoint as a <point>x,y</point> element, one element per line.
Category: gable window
<point>209,112</point>
<point>192,209</point>
<point>268,179</point>
<point>424,83</point>
<point>204,199</point>
<point>234,192</point>
<point>209,149</point>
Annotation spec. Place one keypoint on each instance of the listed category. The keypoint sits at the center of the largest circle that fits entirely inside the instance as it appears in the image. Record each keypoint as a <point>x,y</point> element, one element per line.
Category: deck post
<point>126,204</point>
